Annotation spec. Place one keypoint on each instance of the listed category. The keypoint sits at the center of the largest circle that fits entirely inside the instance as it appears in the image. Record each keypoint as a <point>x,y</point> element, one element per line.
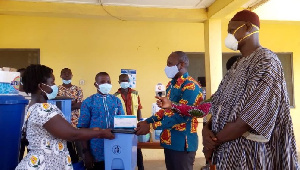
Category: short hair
<point>123,75</point>
<point>101,74</point>
<point>231,61</point>
<point>34,75</point>
<point>183,57</point>
<point>64,69</point>
<point>21,69</point>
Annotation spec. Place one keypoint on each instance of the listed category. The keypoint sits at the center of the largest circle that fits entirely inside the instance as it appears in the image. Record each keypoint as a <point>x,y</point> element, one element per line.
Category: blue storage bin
<point>144,138</point>
<point>64,104</point>
<point>121,152</point>
<point>12,110</point>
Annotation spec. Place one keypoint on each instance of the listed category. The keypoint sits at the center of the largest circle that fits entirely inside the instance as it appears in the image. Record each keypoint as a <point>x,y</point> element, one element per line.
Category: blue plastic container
<point>12,111</point>
<point>64,104</point>
<point>8,88</point>
<point>121,152</point>
<point>144,138</point>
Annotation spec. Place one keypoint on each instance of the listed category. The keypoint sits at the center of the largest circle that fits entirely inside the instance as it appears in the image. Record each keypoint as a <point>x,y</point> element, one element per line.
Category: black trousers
<point>140,160</point>
<point>98,166</point>
<point>73,152</point>
<point>23,144</point>
<point>179,160</point>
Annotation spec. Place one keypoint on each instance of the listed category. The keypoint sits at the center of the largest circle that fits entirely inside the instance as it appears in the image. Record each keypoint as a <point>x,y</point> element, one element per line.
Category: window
<point>197,67</point>
<point>19,58</point>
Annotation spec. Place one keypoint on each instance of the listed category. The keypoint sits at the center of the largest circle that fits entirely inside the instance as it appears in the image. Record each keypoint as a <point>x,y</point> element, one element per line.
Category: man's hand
<point>142,128</point>
<point>209,139</point>
<point>208,154</point>
<point>164,102</point>
<point>88,160</point>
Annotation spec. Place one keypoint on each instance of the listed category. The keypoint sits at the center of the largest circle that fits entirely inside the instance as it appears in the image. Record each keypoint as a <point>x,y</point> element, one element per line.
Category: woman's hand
<point>106,133</point>
<point>163,102</point>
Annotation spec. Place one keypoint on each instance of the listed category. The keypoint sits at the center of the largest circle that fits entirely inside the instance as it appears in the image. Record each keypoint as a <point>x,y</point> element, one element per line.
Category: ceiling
<point>274,10</point>
<point>181,4</point>
<point>279,10</point>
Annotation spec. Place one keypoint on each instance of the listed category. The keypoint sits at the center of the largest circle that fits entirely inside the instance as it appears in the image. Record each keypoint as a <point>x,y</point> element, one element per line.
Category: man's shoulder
<point>116,93</point>
<point>190,79</point>
<point>265,59</point>
<point>112,96</point>
<point>91,97</point>
<point>76,87</point>
<point>134,91</point>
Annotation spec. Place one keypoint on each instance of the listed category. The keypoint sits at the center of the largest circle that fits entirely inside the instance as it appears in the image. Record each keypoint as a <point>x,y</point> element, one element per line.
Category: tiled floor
<point>160,164</point>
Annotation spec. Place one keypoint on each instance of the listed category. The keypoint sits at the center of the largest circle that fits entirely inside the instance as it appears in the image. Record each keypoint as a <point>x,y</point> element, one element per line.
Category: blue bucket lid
<point>13,99</point>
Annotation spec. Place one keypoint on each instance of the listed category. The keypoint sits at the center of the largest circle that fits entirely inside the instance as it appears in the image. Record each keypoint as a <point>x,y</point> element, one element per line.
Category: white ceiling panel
<point>161,3</point>
<point>181,4</point>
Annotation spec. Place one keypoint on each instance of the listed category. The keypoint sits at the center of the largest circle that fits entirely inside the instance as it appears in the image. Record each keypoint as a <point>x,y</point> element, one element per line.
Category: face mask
<point>171,71</point>
<point>54,92</point>
<point>124,85</point>
<point>232,43</point>
<point>66,81</point>
<point>104,88</point>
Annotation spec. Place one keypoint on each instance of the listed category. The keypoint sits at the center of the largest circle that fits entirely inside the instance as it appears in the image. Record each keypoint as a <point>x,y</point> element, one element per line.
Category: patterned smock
<point>254,89</point>
<point>98,111</point>
<point>46,151</point>
<point>76,94</point>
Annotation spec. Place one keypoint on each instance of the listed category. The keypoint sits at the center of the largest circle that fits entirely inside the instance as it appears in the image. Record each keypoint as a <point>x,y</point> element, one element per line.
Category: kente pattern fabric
<point>254,89</point>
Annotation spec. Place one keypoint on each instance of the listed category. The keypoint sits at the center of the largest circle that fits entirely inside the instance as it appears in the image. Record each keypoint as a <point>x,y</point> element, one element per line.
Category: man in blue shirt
<point>179,136</point>
<point>97,111</point>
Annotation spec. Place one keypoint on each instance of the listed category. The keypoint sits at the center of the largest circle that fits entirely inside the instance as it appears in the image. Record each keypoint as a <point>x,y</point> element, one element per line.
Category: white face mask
<point>104,88</point>
<point>124,85</point>
<point>231,42</point>
<point>171,71</point>
<point>66,81</point>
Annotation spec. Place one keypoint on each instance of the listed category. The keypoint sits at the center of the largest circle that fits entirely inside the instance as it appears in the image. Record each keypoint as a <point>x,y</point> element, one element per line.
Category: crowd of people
<point>250,125</point>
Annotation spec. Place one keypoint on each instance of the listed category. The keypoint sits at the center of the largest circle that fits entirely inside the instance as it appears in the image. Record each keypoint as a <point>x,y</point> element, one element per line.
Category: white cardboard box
<point>125,121</point>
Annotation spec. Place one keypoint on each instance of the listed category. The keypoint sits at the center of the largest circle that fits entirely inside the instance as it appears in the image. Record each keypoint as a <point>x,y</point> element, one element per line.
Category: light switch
<point>81,82</point>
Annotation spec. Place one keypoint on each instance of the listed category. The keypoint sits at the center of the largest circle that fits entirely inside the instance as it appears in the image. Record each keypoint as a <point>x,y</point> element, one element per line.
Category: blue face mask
<point>124,85</point>
<point>66,81</point>
<point>104,88</point>
<point>54,92</point>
